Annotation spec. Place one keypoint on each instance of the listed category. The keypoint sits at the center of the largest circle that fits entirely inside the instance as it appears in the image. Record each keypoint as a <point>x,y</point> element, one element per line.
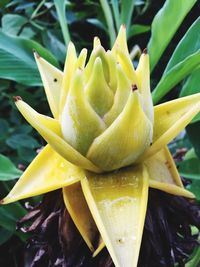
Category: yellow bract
<point>125,139</point>
<point>118,204</point>
<point>104,119</point>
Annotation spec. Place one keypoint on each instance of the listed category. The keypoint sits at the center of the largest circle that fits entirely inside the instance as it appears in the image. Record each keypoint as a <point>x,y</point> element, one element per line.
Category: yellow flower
<point>104,120</point>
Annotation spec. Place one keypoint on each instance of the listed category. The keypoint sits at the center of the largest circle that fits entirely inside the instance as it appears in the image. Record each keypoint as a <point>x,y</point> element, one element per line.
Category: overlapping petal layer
<point>54,139</point>
<point>52,80</point>
<point>170,119</point>
<point>118,204</point>
<point>127,138</point>
<point>47,172</point>
<point>163,174</point>
<point>78,209</point>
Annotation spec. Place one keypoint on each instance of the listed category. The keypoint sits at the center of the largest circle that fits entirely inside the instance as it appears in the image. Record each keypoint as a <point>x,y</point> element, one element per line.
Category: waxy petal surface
<point>172,189</point>
<point>164,175</point>
<point>79,118</point>
<point>56,141</point>
<point>47,172</point>
<point>70,64</point>
<point>143,83</point>
<point>161,167</point>
<point>121,96</point>
<point>78,209</point>
<point>124,140</point>
<point>52,81</point>
<point>121,41</point>
<point>118,204</point>
<point>170,119</point>
<point>97,91</point>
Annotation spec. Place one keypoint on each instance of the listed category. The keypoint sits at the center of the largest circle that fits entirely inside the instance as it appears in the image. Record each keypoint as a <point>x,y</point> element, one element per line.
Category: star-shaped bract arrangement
<point>107,145</point>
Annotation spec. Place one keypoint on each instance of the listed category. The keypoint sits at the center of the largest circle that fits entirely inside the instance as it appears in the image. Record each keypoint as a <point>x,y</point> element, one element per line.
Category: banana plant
<point>107,145</point>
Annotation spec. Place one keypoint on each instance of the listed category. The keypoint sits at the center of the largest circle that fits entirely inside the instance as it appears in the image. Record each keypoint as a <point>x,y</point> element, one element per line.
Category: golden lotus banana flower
<point>107,145</point>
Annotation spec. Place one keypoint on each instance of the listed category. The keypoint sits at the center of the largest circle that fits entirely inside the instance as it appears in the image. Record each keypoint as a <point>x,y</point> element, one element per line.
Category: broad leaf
<point>190,168</point>
<point>127,7</point>
<point>53,44</point>
<point>193,131</point>
<point>165,25</point>
<point>115,8</point>
<point>183,61</point>
<point>22,140</point>
<point>17,62</point>
<point>192,86</point>
<point>175,75</point>
<point>137,29</point>
<point>5,235</point>
<point>9,215</point>
<point>189,44</point>
<point>15,24</point>
<point>194,187</point>
<point>8,171</point>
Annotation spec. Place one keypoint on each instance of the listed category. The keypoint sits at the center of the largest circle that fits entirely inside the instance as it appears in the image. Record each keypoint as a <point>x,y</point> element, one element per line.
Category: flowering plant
<point>107,145</point>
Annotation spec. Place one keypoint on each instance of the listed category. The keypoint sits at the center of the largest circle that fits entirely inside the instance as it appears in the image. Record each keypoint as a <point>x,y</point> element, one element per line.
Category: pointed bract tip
<point>1,201</point>
<point>36,53</point>
<point>124,26</point>
<point>17,98</point>
<point>145,51</point>
<point>134,87</point>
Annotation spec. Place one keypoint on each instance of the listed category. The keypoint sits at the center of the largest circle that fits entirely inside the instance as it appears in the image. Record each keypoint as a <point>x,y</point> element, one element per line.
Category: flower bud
<point>108,114</point>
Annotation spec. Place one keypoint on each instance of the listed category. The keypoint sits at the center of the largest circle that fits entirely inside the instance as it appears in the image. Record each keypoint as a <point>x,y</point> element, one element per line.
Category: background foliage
<point>170,29</point>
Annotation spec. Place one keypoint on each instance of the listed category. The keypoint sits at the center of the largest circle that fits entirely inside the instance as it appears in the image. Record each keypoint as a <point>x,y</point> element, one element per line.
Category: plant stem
<point>109,20</point>
<point>37,9</point>
<point>194,262</point>
<point>60,8</point>
<point>115,7</point>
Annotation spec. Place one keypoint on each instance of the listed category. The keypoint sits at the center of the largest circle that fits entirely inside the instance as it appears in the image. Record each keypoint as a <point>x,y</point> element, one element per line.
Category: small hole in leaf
<point>55,80</point>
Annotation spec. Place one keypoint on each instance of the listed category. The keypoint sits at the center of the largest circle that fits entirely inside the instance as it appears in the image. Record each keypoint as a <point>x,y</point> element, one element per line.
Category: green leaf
<point>175,75</point>
<point>192,86</point>
<point>3,3</point>
<point>137,29</point>
<point>22,140</point>
<point>115,8</point>
<point>9,215</point>
<point>190,154</point>
<point>14,24</point>
<point>109,20</point>
<point>5,235</point>
<point>8,171</point>
<point>54,45</point>
<point>190,168</point>
<point>195,258</point>
<point>4,128</point>
<point>17,62</point>
<point>60,8</point>
<point>26,154</point>
<point>127,7</point>
<point>189,44</point>
<point>193,131</point>
<point>165,25</point>
<point>194,187</point>
<point>97,23</point>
